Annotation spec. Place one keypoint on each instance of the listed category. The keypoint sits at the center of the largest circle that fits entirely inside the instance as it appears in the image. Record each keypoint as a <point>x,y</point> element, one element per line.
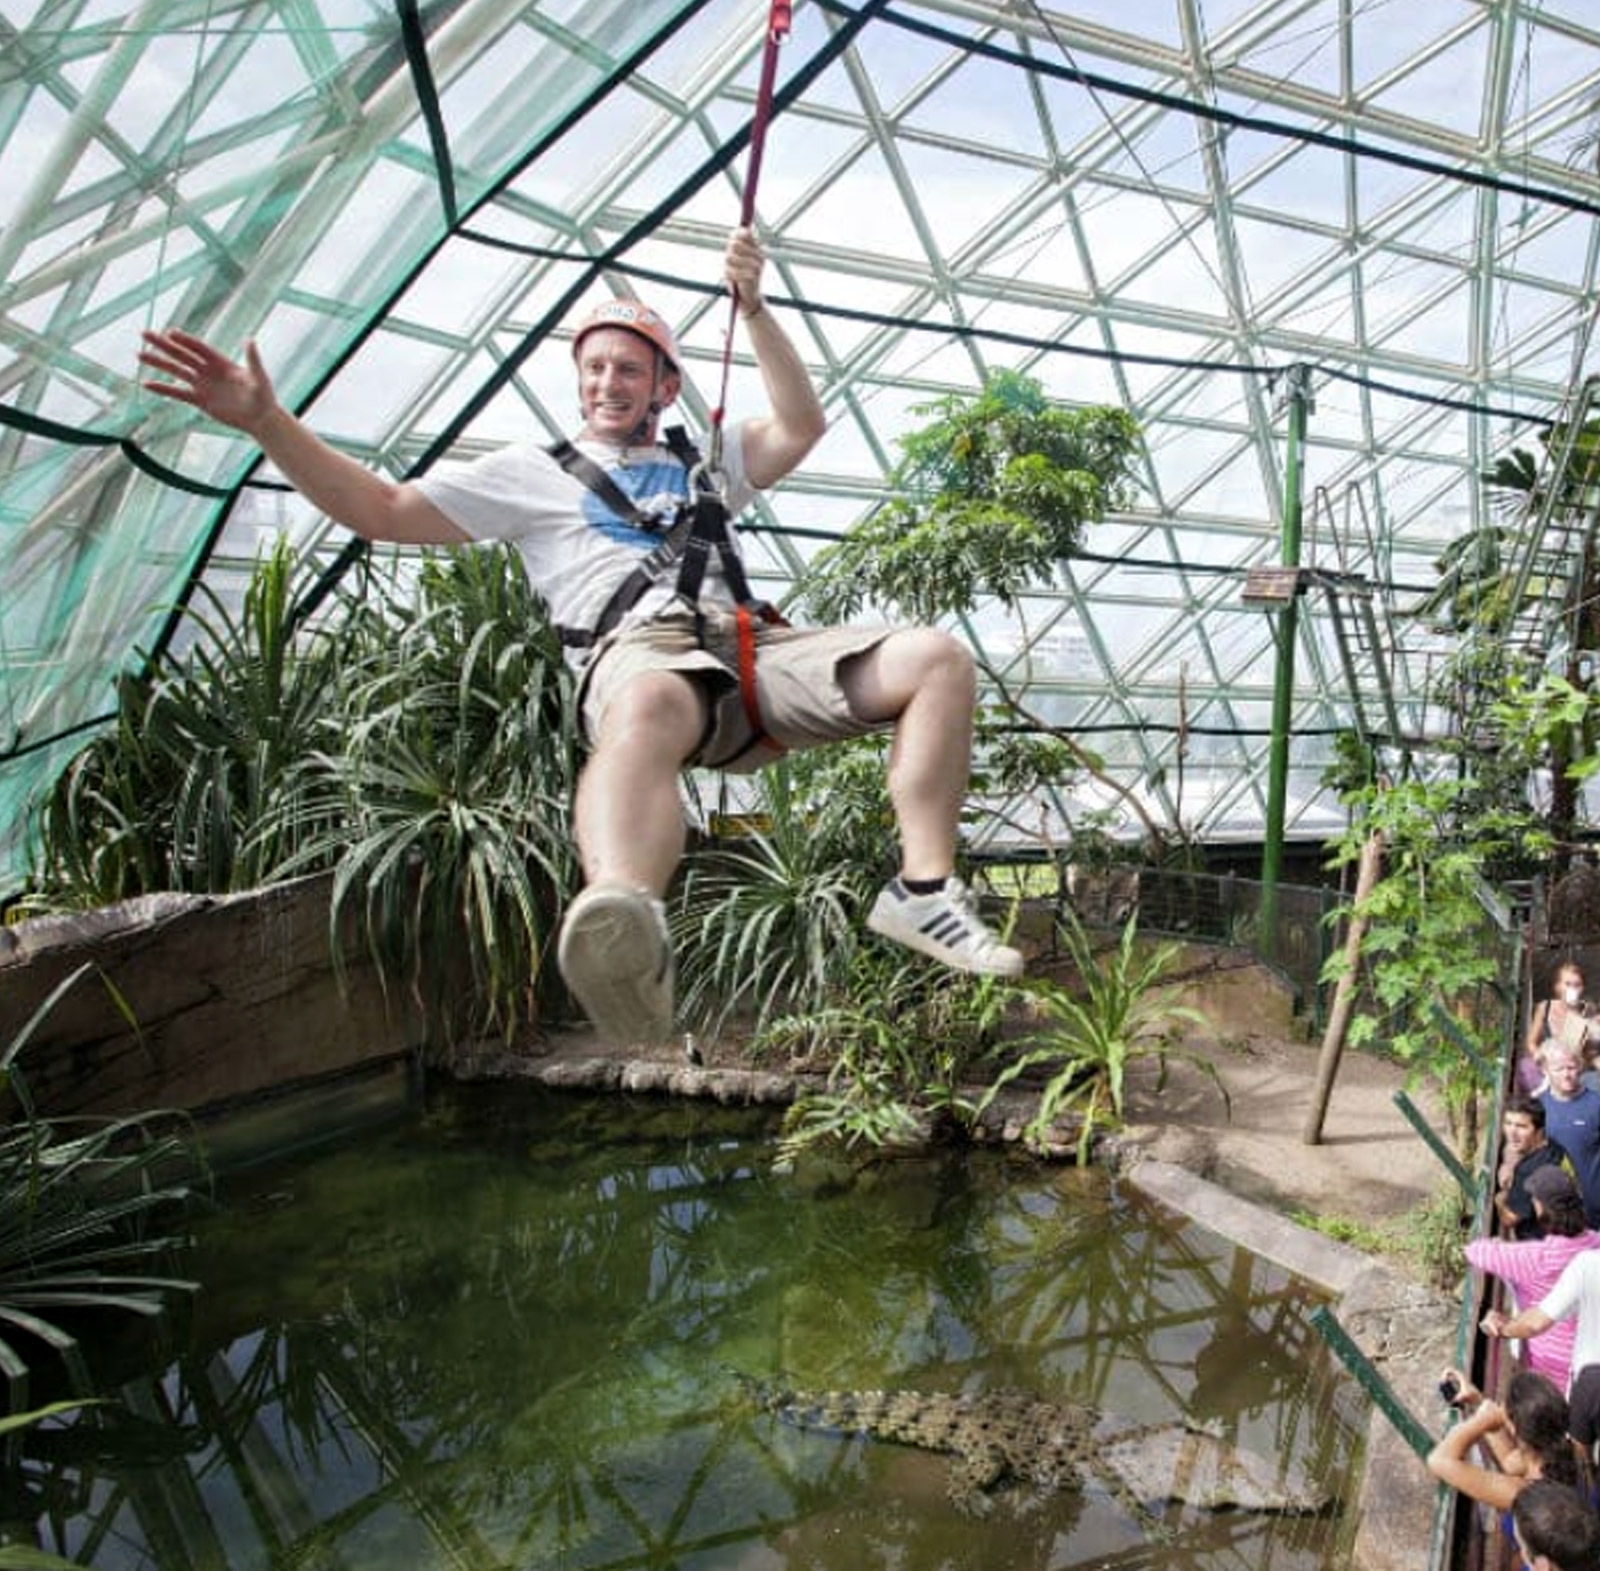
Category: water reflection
<point>499,1336</point>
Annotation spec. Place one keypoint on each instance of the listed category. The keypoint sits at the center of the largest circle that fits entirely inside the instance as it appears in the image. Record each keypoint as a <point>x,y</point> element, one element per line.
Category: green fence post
<point>1370,1381</point>
<point>1414,1117</point>
<point>1452,1030</point>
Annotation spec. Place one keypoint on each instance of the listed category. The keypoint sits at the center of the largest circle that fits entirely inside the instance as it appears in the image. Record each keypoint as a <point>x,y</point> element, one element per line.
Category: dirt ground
<point>1370,1164</point>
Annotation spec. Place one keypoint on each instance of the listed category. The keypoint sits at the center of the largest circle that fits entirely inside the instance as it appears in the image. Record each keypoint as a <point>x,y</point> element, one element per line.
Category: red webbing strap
<point>745,620</point>
<point>745,617</point>
<point>778,21</point>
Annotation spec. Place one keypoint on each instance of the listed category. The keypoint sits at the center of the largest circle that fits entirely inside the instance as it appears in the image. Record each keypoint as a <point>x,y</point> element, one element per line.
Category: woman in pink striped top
<point>1530,1266</point>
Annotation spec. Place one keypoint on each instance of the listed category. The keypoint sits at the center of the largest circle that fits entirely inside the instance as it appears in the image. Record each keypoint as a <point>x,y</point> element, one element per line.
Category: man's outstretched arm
<point>1531,1321</point>
<point>241,395</point>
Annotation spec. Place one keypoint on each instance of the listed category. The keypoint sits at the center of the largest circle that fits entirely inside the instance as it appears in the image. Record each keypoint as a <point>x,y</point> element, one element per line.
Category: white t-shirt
<point>577,550</point>
<point>1577,1292</point>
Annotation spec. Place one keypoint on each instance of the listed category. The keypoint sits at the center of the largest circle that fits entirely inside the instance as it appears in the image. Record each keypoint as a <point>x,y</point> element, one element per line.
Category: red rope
<point>778,22</point>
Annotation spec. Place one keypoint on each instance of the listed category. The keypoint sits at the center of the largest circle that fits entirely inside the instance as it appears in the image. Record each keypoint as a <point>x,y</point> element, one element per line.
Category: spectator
<point>1530,1267</point>
<point>1527,1439</point>
<point>1576,1295</point>
<point>1572,1120</point>
<point>1563,1017</point>
<point>1584,1400</point>
<point>1526,1149</point>
<point>1556,1528</point>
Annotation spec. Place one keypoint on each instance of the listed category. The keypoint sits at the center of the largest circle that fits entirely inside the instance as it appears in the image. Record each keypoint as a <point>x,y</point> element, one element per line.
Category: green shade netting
<point>243,170</point>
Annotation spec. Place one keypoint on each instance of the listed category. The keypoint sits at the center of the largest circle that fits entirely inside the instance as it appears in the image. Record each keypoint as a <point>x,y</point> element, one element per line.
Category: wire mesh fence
<point>1209,908</point>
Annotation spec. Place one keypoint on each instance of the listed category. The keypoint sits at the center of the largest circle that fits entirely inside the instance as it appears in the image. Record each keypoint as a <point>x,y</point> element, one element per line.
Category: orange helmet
<point>633,316</point>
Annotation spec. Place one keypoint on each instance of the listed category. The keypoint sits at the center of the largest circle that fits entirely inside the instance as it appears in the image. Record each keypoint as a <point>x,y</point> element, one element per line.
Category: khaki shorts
<point>797,683</point>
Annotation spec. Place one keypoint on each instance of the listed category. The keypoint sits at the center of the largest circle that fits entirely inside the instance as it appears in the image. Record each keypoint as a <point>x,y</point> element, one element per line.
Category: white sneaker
<point>945,925</point>
<point>615,956</point>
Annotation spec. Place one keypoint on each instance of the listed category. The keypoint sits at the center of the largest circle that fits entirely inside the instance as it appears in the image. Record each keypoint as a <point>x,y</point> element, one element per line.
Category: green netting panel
<point>402,199</point>
<point>242,170</point>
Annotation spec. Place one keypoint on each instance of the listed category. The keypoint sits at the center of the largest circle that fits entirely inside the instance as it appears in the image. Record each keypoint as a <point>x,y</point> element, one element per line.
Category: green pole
<point>1458,1170</point>
<point>1297,395</point>
<point>1412,1431</point>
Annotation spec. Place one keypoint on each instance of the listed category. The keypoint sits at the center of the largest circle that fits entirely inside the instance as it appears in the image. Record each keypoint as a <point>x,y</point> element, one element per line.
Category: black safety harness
<point>698,528</point>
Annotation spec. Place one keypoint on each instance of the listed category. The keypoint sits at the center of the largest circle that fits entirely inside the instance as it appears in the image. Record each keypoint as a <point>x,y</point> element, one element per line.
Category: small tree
<point>991,495</point>
<point>1425,940</point>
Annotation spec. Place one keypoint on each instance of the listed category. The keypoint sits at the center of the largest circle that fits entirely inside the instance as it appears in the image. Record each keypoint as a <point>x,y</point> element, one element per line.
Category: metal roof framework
<point>403,204</point>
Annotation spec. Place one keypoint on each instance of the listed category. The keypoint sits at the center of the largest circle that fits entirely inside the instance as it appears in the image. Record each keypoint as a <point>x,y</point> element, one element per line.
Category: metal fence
<point>1206,908</point>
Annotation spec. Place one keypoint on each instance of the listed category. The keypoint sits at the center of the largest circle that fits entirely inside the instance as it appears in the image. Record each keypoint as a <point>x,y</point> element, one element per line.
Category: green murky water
<point>497,1335</point>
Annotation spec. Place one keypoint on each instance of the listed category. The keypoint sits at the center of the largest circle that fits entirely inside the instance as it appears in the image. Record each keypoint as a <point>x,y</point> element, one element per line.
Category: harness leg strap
<point>749,694</point>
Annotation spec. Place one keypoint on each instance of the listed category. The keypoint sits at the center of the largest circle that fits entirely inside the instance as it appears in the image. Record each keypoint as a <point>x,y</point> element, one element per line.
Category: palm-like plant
<point>1123,1012</point>
<point>457,756</point>
<point>86,1213</point>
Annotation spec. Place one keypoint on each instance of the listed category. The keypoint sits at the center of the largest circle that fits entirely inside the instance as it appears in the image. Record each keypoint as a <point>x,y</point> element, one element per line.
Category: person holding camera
<point>1526,1439</point>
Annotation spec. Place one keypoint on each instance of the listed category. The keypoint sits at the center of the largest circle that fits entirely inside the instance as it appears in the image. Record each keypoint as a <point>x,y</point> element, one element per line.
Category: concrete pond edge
<point>1405,1329</point>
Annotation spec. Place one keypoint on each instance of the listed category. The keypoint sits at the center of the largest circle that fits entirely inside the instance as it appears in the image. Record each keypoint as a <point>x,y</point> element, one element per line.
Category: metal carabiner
<point>707,475</point>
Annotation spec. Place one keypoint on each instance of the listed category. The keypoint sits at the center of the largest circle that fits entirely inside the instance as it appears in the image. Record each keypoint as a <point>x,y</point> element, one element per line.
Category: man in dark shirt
<point>1526,1149</point>
<point>1572,1121</point>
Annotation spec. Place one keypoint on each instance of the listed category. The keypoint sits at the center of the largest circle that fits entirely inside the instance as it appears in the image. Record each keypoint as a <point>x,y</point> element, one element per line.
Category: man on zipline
<point>673,672</point>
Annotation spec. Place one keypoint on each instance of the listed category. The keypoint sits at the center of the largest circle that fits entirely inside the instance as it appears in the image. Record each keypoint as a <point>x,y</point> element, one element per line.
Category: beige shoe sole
<point>615,959</point>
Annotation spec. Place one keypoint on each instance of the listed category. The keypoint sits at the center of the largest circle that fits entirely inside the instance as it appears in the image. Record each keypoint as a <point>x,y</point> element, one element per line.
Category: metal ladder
<point>1557,537</point>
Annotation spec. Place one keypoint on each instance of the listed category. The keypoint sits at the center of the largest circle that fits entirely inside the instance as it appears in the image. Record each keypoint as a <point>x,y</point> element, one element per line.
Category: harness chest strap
<point>700,528</point>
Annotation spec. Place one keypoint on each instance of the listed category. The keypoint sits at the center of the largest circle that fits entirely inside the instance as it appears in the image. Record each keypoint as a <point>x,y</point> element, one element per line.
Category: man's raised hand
<point>194,373</point>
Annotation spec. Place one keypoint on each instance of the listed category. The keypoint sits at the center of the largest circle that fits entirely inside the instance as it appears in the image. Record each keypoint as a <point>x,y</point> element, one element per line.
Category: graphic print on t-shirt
<point>656,489</point>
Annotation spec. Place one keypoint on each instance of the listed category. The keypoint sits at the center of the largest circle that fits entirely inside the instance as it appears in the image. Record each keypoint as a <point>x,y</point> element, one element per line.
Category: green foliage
<point>1428,1240</point>
<point>909,1040</point>
<point>23,1557</point>
<point>1542,717</point>
<point>1086,1039</point>
<point>457,759</point>
<point>421,743</point>
<point>767,925</point>
<point>1428,944</point>
<point>88,1211</point>
<point>993,493</point>
<point>1472,591</point>
<point>902,1044</point>
<point>1353,769</point>
<point>192,787</point>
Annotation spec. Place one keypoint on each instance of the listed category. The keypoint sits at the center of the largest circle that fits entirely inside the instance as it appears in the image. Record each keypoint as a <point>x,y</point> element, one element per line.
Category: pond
<point>507,1331</point>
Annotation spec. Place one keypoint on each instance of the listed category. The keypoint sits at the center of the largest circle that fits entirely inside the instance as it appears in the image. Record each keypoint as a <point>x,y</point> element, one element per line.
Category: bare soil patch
<point>1370,1164</point>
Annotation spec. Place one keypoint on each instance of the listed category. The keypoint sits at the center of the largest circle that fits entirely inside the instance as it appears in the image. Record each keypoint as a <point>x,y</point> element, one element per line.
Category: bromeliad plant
<point>1124,1011</point>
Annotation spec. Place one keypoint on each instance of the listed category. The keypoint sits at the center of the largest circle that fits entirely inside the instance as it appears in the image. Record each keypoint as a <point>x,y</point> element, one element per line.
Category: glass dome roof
<point>404,204</point>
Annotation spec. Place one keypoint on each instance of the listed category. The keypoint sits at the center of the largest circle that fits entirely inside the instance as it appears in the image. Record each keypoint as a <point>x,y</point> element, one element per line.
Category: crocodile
<point>1005,1435</point>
